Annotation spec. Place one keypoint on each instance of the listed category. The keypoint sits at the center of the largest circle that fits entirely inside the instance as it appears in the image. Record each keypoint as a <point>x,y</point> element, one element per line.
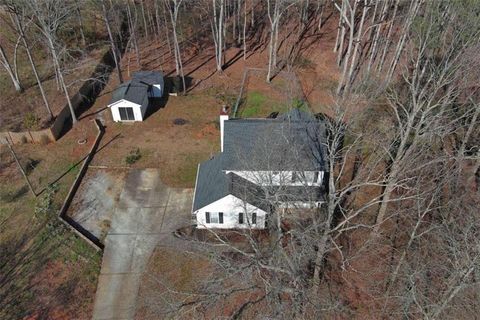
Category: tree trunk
<point>11,73</point>
<point>80,22</point>
<point>350,20</point>
<point>145,25</point>
<point>400,45</point>
<point>218,32</point>
<point>21,31</point>
<point>358,40</point>
<point>61,80</point>
<point>178,58</point>
<point>388,38</point>
<point>245,31</point>
<point>112,42</point>
<point>20,168</point>
<point>132,26</point>
<point>373,51</point>
<point>166,30</point>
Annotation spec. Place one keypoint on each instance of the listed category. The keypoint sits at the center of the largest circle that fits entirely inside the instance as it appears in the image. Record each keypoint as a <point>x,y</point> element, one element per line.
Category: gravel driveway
<point>147,214</point>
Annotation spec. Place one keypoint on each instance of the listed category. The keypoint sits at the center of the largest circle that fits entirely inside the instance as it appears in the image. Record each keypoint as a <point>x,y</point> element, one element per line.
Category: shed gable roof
<point>136,90</point>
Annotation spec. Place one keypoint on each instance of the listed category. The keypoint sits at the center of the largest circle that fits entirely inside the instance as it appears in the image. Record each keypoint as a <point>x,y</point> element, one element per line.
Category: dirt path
<point>146,215</point>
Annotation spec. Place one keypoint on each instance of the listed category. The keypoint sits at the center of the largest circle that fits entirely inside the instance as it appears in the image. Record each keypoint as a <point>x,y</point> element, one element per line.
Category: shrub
<point>44,204</point>
<point>30,121</point>
<point>133,156</point>
<point>304,63</point>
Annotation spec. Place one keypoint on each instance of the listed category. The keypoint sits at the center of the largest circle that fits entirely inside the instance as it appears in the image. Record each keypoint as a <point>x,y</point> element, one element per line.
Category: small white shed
<point>130,100</point>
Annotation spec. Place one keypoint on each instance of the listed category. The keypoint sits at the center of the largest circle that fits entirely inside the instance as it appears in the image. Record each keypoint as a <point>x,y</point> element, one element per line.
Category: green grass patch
<point>257,105</point>
<point>188,174</point>
<point>253,105</point>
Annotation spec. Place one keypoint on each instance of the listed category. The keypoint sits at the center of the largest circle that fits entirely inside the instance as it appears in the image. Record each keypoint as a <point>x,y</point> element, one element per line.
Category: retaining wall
<point>62,215</point>
<point>81,101</point>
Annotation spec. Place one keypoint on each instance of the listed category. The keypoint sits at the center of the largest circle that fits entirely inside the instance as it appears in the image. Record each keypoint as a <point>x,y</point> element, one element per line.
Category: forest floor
<point>176,149</point>
<point>46,270</point>
<point>19,109</point>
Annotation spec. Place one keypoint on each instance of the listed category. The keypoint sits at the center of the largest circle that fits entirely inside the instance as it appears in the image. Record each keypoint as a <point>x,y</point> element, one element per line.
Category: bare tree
<point>12,73</point>
<point>80,22</point>
<point>217,25</point>
<point>51,14</point>
<point>19,18</point>
<point>275,11</point>
<point>430,89</point>
<point>173,9</point>
<point>113,45</point>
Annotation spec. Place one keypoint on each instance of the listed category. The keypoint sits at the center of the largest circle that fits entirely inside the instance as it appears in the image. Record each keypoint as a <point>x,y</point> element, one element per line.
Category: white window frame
<point>214,217</point>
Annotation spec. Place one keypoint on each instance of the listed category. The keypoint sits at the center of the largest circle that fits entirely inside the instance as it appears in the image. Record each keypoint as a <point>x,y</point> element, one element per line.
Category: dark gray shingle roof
<point>136,90</point>
<point>132,91</point>
<point>294,141</point>
<point>213,184</point>
<point>148,77</point>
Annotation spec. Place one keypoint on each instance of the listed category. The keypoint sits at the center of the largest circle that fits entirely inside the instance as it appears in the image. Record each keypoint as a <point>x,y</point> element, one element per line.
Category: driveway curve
<point>147,213</point>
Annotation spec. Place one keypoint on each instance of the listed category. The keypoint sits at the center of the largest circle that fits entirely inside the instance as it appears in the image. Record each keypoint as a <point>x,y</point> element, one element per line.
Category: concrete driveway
<point>148,212</point>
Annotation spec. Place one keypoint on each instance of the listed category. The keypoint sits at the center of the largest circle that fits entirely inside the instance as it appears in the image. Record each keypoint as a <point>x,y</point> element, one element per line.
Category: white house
<point>131,99</point>
<point>261,159</point>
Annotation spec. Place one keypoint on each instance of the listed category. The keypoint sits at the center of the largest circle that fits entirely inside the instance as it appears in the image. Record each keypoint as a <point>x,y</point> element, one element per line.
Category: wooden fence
<point>81,101</point>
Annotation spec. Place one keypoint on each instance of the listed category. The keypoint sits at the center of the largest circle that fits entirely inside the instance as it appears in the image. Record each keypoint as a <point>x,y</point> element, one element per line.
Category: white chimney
<point>223,117</point>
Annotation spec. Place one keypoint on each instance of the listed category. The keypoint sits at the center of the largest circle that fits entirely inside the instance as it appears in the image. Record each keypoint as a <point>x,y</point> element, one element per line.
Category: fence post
<point>239,98</point>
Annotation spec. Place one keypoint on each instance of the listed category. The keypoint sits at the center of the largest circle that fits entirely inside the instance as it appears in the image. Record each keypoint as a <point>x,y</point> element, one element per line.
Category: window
<point>240,218</point>
<point>254,218</point>
<point>213,217</point>
<point>315,177</point>
<point>126,113</point>
<point>298,176</point>
<point>295,176</point>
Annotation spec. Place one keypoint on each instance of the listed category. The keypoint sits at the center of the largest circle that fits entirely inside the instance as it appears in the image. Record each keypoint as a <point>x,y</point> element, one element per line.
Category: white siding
<point>279,178</point>
<point>300,205</point>
<point>230,206</point>
<point>137,112</point>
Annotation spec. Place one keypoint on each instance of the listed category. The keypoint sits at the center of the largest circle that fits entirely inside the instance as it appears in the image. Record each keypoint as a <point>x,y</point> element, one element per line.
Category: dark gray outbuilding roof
<point>295,141</point>
<point>136,90</point>
<point>149,77</point>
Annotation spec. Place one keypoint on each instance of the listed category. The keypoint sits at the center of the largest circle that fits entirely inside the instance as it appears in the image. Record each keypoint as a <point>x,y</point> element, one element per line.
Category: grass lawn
<point>258,105</point>
<point>261,99</point>
<point>46,271</point>
<point>175,149</point>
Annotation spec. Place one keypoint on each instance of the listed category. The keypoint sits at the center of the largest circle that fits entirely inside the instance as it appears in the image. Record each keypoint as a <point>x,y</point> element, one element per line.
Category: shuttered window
<point>254,218</point>
<point>213,217</point>
<point>240,218</point>
<point>126,113</point>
